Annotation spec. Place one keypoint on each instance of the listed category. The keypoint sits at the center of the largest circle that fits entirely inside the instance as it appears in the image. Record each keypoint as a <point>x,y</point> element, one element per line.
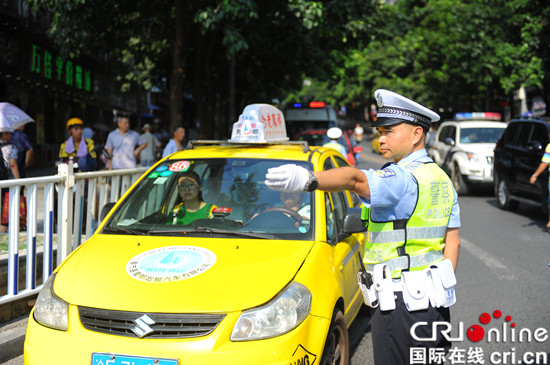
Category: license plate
<point>115,359</point>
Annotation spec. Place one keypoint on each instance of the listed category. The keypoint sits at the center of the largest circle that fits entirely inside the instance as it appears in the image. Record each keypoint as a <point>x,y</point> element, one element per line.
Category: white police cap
<point>396,109</point>
<point>334,133</point>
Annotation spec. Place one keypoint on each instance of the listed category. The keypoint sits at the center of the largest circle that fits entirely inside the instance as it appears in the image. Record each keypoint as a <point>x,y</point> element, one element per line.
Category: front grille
<point>166,325</point>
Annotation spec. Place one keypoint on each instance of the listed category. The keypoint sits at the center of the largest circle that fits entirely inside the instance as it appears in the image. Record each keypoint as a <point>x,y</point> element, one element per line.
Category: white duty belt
<point>402,262</point>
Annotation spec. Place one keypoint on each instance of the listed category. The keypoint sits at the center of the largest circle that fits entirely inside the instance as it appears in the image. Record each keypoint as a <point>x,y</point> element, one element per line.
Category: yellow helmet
<point>74,121</point>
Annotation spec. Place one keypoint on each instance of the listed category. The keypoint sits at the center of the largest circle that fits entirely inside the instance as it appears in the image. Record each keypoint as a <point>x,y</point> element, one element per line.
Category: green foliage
<point>469,54</point>
<point>226,16</point>
<point>459,55</point>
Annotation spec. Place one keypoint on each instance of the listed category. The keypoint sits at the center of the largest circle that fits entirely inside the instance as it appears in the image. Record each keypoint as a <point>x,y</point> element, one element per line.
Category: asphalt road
<point>503,266</point>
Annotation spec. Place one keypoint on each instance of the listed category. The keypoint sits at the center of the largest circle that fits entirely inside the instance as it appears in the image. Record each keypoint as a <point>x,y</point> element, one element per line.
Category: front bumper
<point>48,346</point>
<point>479,173</point>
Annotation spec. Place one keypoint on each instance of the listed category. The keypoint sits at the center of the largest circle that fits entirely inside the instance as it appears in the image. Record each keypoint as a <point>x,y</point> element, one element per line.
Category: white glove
<point>289,178</point>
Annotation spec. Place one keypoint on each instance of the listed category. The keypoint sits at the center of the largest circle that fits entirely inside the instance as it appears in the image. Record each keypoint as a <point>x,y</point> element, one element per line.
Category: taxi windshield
<point>219,197</point>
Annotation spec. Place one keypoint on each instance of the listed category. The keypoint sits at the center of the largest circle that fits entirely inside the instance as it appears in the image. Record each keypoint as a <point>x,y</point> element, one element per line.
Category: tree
<point>467,55</point>
<point>261,48</point>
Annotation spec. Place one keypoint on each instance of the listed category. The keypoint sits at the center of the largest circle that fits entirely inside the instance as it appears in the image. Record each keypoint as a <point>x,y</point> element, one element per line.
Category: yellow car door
<point>348,249</point>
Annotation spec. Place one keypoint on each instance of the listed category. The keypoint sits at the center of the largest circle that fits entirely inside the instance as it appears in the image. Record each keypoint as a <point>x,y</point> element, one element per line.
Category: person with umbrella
<point>25,150</point>
<point>8,170</point>
<point>11,117</point>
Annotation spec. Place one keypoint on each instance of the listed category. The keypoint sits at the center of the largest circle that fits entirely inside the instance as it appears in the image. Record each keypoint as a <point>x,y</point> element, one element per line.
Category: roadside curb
<point>12,338</point>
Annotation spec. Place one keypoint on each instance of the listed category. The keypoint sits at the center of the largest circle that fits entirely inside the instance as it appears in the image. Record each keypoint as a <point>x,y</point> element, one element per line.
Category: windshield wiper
<point>124,230</point>
<point>184,230</point>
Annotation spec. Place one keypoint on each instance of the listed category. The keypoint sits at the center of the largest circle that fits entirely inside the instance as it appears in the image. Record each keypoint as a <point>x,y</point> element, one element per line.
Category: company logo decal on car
<point>301,356</point>
<point>171,263</point>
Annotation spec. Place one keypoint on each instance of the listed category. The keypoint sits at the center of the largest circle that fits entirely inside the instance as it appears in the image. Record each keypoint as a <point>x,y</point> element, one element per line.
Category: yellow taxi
<point>374,144</point>
<point>245,276</point>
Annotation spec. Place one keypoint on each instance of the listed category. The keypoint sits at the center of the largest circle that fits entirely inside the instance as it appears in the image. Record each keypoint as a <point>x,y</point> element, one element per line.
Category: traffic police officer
<point>413,221</point>
<point>334,134</point>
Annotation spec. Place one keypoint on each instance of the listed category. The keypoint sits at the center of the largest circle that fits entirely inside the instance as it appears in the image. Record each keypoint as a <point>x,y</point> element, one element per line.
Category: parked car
<point>250,281</point>
<point>464,149</point>
<point>517,155</point>
<point>318,137</point>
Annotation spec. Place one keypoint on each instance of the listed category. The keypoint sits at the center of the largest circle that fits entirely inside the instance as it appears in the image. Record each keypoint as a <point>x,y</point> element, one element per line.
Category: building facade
<point>51,88</point>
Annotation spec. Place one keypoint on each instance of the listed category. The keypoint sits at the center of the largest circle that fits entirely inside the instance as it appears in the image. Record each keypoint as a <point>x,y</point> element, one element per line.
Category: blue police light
<point>298,105</point>
<point>478,115</point>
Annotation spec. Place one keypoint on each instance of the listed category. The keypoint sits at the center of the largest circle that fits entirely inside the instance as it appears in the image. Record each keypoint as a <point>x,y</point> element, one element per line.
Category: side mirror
<point>449,141</point>
<point>353,222</point>
<point>357,149</point>
<point>534,146</point>
<point>105,210</point>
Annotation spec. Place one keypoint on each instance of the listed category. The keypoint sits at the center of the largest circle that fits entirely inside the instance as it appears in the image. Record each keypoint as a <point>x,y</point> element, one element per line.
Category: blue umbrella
<point>11,117</point>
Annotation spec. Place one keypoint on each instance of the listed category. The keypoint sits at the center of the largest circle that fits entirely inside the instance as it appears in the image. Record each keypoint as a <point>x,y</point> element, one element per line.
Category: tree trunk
<point>178,69</point>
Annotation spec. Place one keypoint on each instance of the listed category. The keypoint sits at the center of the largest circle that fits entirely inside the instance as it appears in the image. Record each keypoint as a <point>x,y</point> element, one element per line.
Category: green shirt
<point>182,216</point>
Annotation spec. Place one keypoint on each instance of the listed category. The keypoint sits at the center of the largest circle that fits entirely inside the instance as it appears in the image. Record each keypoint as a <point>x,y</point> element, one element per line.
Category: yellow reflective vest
<point>416,242</point>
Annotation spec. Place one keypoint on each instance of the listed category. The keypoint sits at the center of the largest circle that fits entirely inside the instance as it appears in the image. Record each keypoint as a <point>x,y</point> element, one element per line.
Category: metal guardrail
<point>80,197</point>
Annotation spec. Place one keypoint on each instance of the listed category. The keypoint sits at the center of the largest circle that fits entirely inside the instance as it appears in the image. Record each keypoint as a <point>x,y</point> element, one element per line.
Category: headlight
<point>472,157</point>
<point>50,311</point>
<point>279,316</point>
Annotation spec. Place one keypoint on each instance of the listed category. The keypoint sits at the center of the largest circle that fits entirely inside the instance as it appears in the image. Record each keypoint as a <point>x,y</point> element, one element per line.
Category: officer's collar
<point>415,156</point>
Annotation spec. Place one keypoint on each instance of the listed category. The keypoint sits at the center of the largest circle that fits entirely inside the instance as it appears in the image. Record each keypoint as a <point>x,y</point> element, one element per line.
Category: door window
<point>511,133</point>
<point>539,135</point>
<point>524,135</point>
<point>443,134</point>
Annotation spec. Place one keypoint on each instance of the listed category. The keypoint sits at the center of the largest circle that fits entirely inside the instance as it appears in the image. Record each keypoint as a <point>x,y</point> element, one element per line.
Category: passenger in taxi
<point>192,206</point>
<point>291,205</point>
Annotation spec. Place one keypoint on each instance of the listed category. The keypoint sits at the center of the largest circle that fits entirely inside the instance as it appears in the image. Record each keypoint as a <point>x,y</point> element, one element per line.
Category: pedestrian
<point>123,145</point>
<point>78,148</point>
<point>412,233</point>
<point>545,161</point>
<point>358,132</point>
<point>148,154</point>
<point>8,171</point>
<point>25,151</point>
<point>334,134</point>
<point>176,143</point>
<point>88,133</point>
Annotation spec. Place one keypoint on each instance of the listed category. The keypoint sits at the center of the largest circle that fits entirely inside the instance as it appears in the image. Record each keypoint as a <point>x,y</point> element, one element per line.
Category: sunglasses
<point>186,187</point>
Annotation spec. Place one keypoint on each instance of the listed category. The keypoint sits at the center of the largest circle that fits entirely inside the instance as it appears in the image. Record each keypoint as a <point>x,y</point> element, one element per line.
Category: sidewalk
<point>12,338</point>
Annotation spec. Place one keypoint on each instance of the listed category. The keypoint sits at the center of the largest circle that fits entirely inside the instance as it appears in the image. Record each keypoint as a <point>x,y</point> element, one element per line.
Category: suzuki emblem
<point>142,328</point>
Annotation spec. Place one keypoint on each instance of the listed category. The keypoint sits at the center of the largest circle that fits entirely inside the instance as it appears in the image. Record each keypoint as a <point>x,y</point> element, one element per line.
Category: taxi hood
<point>174,274</point>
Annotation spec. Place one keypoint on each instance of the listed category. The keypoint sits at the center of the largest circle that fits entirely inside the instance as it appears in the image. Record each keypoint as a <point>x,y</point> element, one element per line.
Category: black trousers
<point>391,337</point>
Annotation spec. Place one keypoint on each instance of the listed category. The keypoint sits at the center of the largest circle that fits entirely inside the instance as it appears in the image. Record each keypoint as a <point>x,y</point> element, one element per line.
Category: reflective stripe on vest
<point>402,262</point>
<point>413,233</point>
<point>423,232</point>
<point>336,146</point>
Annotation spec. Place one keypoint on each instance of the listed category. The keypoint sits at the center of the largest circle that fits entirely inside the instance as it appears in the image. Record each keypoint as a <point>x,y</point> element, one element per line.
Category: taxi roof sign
<point>259,123</point>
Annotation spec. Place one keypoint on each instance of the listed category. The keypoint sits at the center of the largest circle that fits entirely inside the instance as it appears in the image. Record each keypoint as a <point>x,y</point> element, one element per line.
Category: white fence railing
<point>80,197</point>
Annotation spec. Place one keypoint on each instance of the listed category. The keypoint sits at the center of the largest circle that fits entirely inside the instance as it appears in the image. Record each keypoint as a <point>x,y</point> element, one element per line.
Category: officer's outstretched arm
<point>292,178</point>
<point>452,245</point>
<point>344,178</point>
